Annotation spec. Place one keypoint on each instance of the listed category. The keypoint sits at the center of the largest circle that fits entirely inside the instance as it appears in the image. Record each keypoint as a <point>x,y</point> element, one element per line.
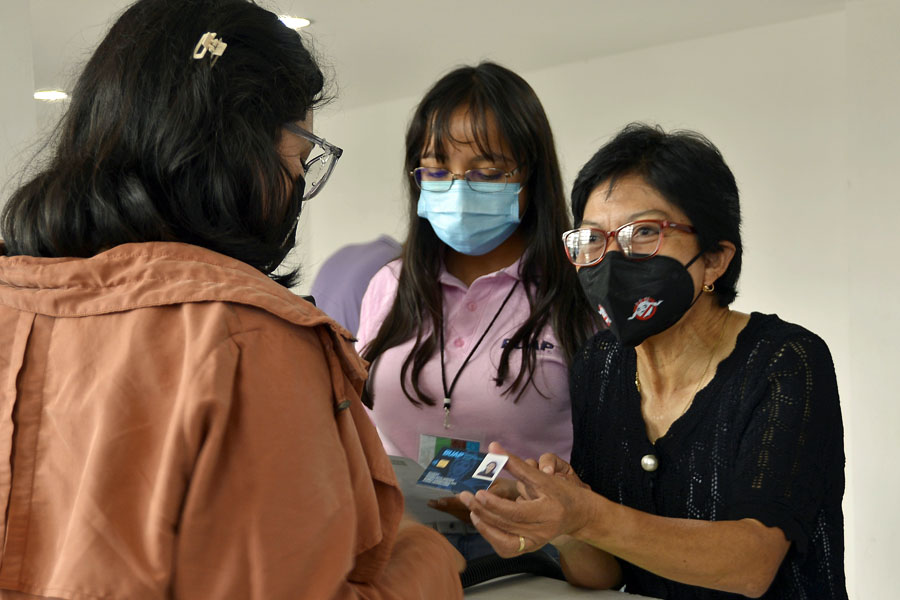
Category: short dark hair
<point>488,91</point>
<point>158,146</point>
<point>688,171</point>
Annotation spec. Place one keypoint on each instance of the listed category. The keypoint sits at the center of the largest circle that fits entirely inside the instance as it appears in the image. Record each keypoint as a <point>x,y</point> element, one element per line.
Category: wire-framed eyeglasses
<point>437,179</point>
<point>639,240</point>
<point>319,164</point>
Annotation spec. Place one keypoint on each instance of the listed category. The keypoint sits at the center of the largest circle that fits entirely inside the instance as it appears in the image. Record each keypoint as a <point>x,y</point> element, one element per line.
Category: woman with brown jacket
<point>173,422</point>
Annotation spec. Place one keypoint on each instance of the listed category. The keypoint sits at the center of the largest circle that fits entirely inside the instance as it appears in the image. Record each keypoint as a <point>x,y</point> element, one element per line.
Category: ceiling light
<point>294,22</point>
<point>51,95</point>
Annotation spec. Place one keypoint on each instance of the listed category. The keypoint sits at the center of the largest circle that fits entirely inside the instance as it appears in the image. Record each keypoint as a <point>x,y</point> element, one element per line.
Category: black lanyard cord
<point>449,391</point>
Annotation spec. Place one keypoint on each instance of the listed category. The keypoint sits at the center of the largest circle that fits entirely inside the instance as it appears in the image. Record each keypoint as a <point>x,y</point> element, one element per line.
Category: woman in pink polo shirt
<point>470,333</point>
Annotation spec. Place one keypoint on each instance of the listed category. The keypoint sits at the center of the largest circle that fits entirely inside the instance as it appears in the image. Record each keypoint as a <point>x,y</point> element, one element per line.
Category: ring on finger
<point>521,543</point>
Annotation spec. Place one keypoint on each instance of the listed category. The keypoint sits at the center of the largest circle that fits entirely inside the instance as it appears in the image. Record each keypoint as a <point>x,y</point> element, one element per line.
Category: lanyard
<point>449,391</point>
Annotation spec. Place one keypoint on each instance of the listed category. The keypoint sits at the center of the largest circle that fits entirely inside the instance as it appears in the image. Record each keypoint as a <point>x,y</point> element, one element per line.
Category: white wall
<point>18,125</point>
<point>873,290</point>
<point>363,197</point>
<point>805,113</point>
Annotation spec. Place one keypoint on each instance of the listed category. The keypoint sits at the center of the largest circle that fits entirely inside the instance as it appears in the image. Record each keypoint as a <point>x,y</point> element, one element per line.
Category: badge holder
<point>431,446</point>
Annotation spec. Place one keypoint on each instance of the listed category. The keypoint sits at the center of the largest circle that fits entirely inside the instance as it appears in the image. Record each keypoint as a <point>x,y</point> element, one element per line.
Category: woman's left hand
<point>551,505</point>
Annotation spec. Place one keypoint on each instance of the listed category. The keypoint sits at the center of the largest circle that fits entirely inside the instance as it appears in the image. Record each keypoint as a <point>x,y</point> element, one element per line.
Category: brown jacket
<point>173,424</point>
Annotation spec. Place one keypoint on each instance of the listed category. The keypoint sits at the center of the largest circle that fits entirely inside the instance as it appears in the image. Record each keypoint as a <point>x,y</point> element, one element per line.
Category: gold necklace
<point>637,380</point>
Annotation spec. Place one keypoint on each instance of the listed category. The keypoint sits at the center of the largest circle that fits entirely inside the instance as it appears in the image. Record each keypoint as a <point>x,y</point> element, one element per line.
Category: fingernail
<point>481,497</point>
<point>475,519</point>
<point>548,469</point>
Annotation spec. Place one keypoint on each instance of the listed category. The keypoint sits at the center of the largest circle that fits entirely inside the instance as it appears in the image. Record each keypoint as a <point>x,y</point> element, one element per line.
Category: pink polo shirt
<point>541,421</point>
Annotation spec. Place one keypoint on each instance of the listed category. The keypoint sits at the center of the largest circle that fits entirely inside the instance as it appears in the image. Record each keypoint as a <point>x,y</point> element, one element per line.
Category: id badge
<point>458,471</point>
<point>431,446</point>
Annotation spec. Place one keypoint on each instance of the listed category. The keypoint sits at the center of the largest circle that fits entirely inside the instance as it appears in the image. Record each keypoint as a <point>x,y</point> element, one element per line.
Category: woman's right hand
<point>550,506</point>
<point>552,465</point>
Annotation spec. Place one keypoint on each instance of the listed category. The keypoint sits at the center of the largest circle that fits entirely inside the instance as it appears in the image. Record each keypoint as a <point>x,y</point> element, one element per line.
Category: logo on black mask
<point>644,308</point>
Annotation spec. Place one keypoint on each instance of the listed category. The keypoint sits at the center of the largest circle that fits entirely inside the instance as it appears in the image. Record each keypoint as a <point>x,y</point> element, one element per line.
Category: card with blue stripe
<point>457,470</point>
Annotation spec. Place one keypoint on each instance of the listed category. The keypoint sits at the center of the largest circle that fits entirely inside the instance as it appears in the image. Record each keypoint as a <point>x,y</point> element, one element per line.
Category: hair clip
<point>208,42</point>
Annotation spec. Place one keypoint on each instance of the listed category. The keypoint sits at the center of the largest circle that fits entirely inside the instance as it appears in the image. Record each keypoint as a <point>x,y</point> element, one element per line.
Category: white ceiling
<point>385,49</point>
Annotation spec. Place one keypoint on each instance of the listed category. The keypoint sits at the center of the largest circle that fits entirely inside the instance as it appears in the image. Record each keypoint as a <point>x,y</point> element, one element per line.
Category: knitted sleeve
<point>790,439</point>
<point>590,380</point>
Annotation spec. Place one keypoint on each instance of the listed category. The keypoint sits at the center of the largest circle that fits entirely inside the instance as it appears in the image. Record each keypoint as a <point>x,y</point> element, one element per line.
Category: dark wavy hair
<point>689,172</point>
<point>158,146</point>
<point>488,91</point>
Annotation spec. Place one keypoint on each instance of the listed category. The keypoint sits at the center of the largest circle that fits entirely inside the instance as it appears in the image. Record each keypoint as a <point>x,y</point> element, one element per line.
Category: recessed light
<point>294,22</point>
<point>51,95</point>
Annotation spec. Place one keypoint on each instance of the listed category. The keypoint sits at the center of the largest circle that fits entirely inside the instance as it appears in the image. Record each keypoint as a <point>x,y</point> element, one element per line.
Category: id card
<point>461,471</point>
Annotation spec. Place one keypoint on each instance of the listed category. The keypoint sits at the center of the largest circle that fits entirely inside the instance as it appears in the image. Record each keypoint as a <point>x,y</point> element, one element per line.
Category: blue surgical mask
<point>471,222</point>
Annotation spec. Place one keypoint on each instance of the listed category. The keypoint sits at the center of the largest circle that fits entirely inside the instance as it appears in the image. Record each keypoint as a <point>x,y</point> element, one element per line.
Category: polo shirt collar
<point>512,272</point>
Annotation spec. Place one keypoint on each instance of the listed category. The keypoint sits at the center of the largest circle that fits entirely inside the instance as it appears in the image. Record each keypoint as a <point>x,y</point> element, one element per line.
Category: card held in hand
<point>457,470</point>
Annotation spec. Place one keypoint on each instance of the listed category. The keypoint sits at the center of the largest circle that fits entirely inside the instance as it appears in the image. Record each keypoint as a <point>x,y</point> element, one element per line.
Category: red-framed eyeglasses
<point>639,240</point>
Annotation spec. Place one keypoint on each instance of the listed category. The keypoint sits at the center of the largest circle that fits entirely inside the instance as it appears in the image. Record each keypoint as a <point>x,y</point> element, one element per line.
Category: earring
<point>709,288</point>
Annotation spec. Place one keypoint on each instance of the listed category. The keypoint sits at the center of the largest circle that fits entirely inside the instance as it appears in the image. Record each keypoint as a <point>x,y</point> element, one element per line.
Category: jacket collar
<point>132,276</point>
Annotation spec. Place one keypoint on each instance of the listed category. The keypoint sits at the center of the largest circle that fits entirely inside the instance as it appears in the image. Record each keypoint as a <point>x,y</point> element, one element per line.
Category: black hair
<point>159,146</point>
<point>689,172</point>
<point>487,91</point>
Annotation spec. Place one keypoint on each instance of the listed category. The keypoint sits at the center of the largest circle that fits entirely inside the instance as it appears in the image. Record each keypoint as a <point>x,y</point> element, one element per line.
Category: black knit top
<point>763,440</point>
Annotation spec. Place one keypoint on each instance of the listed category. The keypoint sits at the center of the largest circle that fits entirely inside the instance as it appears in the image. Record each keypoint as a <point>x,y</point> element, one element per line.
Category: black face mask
<point>291,234</point>
<point>300,188</point>
<point>638,298</point>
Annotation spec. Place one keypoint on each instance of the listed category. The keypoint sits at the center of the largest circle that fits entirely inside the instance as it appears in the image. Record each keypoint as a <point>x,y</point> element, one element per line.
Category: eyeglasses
<point>319,164</point>
<point>436,179</point>
<point>639,240</point>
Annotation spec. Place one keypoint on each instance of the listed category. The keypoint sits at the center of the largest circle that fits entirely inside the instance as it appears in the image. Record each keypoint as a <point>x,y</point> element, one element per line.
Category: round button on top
<point>649,463</point>
<point>459,343</point>
<point>472,306</point>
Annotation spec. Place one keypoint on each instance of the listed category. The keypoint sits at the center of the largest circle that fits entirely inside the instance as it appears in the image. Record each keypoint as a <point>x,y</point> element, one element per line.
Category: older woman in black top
<point>708,453</point>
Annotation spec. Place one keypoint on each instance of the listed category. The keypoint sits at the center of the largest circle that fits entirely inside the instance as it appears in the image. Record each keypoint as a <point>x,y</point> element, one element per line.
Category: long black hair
<point>688,171</point>
<point>488,92</point>
<point>159,146</point>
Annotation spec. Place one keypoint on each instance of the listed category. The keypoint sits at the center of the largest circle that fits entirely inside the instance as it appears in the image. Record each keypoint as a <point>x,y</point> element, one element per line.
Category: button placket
<point>649,463</point>
<point>466,323</point>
